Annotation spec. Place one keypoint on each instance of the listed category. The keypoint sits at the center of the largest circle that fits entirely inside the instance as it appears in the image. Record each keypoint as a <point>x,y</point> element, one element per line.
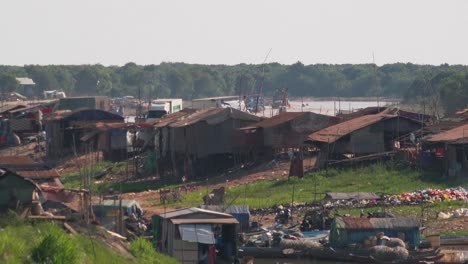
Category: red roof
<point>16,160</point>
<point>276,120</point>
<point>458,135</point>
<point>36,174</point>
<point>335,132</point>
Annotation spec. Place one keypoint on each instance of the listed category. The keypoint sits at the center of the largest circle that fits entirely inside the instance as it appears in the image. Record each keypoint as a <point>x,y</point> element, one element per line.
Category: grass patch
<point>42,242</point>
<point>73,179</point>
<point>143,249</point>
<point>386,178</point>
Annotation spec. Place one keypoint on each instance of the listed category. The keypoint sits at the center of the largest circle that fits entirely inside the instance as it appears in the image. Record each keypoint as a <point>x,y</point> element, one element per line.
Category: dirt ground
<point>270,171</point>
<point>149,200</point>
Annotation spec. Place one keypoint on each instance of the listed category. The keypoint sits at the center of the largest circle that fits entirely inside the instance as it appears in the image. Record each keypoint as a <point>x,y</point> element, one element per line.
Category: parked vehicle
<point>161,107</point>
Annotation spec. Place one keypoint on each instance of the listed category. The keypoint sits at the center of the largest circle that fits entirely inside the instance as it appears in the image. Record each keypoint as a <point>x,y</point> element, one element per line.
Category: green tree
<point>8,83</point>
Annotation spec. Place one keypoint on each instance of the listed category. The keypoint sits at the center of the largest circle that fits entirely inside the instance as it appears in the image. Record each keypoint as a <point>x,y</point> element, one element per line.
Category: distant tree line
<point>448,85</point>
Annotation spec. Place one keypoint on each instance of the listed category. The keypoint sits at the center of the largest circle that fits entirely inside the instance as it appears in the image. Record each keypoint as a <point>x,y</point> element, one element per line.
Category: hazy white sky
<point>114,32</point>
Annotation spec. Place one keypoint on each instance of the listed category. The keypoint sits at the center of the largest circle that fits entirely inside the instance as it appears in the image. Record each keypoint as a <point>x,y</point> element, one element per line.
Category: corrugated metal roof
<point>104,126</point>
<point>205,221</point>
<point>276,120</point>
<point>351,195</point>
<point>16,160</point>
<point>371,110</point>
<point>5,172</point>
<point>230,209</point>
<point>39,173</point>
<point>16,163</point>
<point>8,108</point>
<point>214,116</point>
<point>27,109</point>
<point>357,223</point>
<point>84,115</point>
<point>458,135</point>
<point>25,81</point>
<point>172,118</point>
<point>191,210</point>
<point>335,132</point>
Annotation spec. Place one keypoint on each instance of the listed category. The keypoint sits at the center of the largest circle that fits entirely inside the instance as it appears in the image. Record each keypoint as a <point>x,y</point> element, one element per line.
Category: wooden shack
<point>15,191</point>
<point>365,135</point>
<point>191,234</point>
<point>452,147</point>
<point>286,130</point>
<point>64,129</point>
<point>202,141</point>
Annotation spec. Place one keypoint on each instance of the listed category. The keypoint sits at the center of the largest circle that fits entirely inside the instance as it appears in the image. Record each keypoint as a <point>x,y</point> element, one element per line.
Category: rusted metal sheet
<point>16,160</point>
<point>32,174</point>
<point>335,132</point>
<point>214,116</point>
<point>458,135</point>
<point>172,118</point>
<point>357,223</point>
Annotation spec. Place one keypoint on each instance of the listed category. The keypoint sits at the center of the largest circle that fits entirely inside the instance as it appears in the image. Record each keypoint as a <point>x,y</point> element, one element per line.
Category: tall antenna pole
<point>263,77</point>
<point>375,81</point>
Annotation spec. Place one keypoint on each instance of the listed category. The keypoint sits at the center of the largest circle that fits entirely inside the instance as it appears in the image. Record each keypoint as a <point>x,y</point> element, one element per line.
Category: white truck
<point>161,107</point>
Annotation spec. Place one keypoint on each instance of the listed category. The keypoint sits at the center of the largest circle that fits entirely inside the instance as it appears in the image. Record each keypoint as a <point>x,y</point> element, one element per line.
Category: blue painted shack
<point>351,230</point>
<point>240,212</point>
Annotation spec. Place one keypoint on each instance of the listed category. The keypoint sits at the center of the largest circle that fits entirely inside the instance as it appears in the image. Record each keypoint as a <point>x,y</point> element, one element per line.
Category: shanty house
<point>286,130</point>
<point>362,136</point>
<point>28,168</point>
<point>15,190</point>
<point>240,212</point>
<point>210,131</point>
<point>27,87</point>
<point>191,234</point>
<point>452,147</point>
<point>351,230</point>
<point>203,140</point>
<point>64,129</point>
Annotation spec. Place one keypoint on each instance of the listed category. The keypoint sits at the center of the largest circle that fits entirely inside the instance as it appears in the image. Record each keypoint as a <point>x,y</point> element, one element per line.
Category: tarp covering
<point>199,233</point>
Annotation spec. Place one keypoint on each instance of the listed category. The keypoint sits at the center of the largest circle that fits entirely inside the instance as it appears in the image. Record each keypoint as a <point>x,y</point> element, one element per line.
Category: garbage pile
<point>430,195</point>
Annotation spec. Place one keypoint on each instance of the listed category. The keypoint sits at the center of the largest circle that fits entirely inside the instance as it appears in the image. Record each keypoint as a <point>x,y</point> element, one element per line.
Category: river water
<point>327,107</point>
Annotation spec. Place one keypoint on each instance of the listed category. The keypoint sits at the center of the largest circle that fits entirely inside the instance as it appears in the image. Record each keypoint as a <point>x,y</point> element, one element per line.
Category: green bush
<point>144,251</point>
<point>142,248</point>
<point>56,247</point>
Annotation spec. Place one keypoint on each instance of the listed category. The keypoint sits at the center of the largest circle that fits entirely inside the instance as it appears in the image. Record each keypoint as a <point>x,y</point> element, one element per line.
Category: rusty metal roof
<point>16,160</point>
<point>458,135</point>
<point>36,174</point>
<point>21,163</point>
<point>83,115</point>
<point>104,126</point>
<point>288,117</point>
<point>8,108</point>
<point>192,210</point>
<point>214,116</point>
<point>371,110</point>
<point>172,118</point>
<point>276,120</point>
<point>335,132</point>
